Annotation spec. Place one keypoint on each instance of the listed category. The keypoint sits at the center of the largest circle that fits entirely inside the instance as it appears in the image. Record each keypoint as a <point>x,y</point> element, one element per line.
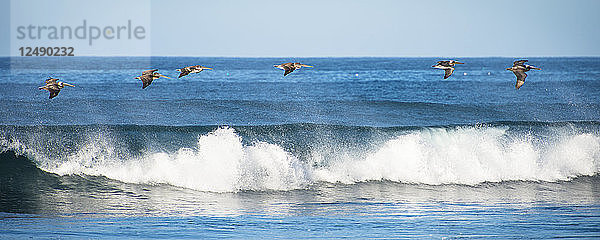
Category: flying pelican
<point>54,87</point>
<point>519,68</point>
<point>191,69</point>
<point>290,67</point>
<point>447,66</point>
<point>148,76</point>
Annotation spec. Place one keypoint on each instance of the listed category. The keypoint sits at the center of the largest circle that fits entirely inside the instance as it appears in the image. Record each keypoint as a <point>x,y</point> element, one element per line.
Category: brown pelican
<point>519,68</point>
<point>447,66</point>
<point>191,69</point>
<point>148,76</point>
<point>290,67</point>
<point>54,87</point>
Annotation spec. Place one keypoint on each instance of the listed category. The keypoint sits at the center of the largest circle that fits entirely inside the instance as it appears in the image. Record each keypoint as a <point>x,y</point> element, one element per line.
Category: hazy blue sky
<point>364,28</point>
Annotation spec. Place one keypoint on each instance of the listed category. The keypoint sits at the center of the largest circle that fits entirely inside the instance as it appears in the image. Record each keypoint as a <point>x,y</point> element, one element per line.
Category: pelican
<point>148,76</point>
<point>290,67</point>
<point>191,69</point>
<point>54,87</point>
<point>447,66</point>
<point>519,68</point>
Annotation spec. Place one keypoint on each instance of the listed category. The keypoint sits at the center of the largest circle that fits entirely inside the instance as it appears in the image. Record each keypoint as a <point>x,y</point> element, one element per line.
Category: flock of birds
<point>519,68</point>
<point>54,86</point>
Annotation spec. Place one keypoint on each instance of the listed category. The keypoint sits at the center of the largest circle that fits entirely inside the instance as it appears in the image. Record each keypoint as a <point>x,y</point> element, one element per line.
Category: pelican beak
<point>508,69</point>
<point>458,63</point>
<point>66,84</point>
<point>308,66</point>
<point>207,68</point>
<point>165,76</point>
<point>537,68</point>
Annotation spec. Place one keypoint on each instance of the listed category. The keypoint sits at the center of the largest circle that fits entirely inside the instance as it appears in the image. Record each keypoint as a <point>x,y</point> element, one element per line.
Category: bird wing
<point>190,68</point>
<point>288,70</point>
<point>53,93</point>
<point>519,63</point>
<point>183,73</point>
<point>149,72</point>
<point>51,80</point>
<point>444,63</point>
<point>448,72</point>
<point>520,78</point>
<point>146,80</point>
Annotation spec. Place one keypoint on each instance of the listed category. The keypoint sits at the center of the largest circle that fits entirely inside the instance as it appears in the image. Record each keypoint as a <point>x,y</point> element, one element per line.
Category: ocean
<point>352,148</point>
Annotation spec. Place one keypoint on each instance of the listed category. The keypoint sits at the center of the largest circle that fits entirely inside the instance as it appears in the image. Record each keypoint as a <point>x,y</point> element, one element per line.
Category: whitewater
<point>221,162</point>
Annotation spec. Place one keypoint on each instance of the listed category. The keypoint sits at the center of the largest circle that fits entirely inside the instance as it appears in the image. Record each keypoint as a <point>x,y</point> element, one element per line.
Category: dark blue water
<point>347,91</point>
<point>352,148</point>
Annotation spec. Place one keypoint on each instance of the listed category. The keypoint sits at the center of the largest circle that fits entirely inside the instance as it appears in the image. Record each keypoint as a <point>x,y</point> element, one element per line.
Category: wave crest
<point>470,156</point>
<point>221,162</point>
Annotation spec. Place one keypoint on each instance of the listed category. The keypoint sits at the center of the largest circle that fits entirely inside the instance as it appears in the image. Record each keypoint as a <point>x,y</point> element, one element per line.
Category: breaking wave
<point>223,159</point>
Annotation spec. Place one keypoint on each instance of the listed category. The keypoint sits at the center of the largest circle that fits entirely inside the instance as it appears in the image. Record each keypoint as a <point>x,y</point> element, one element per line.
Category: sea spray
<point>470,156</point>
<point>222,161</point>
<point>219,163</point>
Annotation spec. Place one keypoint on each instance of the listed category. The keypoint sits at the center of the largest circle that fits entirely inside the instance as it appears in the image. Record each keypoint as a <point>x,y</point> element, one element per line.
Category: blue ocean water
<point>352,148</point>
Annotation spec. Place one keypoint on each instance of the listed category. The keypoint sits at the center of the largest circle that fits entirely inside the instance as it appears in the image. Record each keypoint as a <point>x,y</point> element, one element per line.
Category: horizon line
<point>215,56</point>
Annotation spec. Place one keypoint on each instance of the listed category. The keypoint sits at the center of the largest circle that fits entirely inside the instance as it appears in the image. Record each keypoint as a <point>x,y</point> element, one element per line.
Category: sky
<point>322,28</point>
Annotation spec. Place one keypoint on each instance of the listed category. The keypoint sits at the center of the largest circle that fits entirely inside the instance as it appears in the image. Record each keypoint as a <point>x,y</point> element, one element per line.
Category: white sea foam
<point>469,156</point>
<point>220,162</point>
